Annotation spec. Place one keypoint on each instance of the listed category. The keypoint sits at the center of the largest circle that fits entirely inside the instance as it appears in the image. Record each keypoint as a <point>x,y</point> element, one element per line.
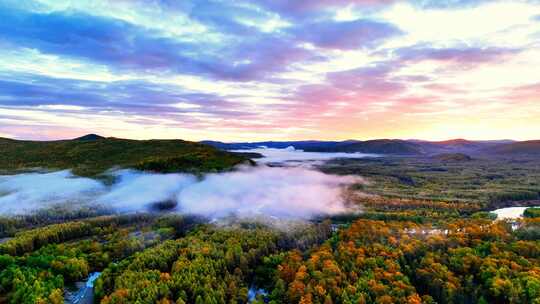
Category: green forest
<point>269,152</point>
<point>94,157</point>
<point>175,259</point>
<point>424,234</point>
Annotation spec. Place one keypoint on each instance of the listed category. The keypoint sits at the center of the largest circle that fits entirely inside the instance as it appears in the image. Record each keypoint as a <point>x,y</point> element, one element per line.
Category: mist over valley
<point>270,152</point>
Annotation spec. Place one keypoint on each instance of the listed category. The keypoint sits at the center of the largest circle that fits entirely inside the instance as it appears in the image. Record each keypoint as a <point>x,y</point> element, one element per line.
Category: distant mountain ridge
<point>301,145</point>
<point>398,147</point>
<point>530,147</point>
<point>377,146</point>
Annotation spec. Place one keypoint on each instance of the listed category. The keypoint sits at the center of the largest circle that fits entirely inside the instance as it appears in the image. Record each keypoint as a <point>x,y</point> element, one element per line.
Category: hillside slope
<point>96,155</point>
<point>378,146</point>
<point>522,148</point>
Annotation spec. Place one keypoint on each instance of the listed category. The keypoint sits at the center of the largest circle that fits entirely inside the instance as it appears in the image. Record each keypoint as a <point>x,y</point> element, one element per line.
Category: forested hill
<point>92,155</point>
<point>531,147</point>
<point>379,146</point>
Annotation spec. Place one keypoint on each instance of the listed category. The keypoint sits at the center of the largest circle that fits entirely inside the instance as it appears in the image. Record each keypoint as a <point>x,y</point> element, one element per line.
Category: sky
<point>270,69</point>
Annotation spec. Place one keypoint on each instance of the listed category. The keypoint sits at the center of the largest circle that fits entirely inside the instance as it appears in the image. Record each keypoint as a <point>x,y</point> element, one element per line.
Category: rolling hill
<point>453,157</point>
<point>522,148</point>
<point>92,154</point>
<point>89,137</point>
<point>458,146</point>
<point>378,146</point>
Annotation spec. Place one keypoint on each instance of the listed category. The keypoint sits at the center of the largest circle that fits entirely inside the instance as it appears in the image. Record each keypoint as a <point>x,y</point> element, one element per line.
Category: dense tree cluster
<point>486,182</point>
<point>397,251</point>
<point>32,271</point>
<point>383,204</point>
<point>30,240</point>
<point>209,266</point>
<point>93,157</point>
<point>469,261</point>
<point>204,161</point>
<point>529,229</point>
<point>10,225</point>
<point>475,260</point>
<point>532,212</point>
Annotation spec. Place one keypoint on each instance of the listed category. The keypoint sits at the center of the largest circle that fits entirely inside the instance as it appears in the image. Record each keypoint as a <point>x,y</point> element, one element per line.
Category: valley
<point>269,152</point>
<point>298,227</point>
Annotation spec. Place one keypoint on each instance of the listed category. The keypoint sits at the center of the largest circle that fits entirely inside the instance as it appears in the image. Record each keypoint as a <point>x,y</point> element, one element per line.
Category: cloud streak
<point>464,55</point>
<point>346,35</point>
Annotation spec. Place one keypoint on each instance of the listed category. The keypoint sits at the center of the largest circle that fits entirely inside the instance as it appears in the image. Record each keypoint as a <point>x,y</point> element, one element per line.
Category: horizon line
<point>279,140</point>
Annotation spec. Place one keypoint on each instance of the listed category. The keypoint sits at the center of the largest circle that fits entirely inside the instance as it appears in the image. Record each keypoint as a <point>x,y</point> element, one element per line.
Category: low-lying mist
<point>261,191</point>
<point>295,157</point>
<point>28,192</point>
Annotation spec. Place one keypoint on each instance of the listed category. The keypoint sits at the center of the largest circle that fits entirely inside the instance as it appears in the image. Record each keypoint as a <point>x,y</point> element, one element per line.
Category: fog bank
<point>276,192</point>
<point>28,192</point>
<point>293,157</point>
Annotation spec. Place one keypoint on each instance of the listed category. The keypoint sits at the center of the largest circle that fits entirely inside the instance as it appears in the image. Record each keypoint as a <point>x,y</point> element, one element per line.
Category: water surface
<point>510,212</point>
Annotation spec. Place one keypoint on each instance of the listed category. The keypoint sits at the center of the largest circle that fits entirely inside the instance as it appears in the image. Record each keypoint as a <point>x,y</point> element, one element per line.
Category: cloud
<point>370,81</point>
<point>130,96</point>
<point>449,4</point>
<point>25,193</point>
<point>355,89</point>
<point>136,191</point>
<point>265,191</point>
<point>289,193</point>
<point>298,10</point>
<point>260,57</point>
<point>222,16</point>
<point>21,128</point>
<point>523,94</point>
<point>97,38</point>
<point>355,34</point>
<point>125,46</point>
<point>465,55</point>
<point>323,68</point>
<point>316,9</point>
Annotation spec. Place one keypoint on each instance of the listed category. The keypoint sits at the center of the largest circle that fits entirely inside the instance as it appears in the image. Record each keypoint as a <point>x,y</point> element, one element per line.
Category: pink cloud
<point>466,56</point>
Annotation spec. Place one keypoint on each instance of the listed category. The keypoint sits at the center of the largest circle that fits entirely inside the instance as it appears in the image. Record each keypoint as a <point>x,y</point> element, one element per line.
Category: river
<point>511,212</point>
<point>85,293</point>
